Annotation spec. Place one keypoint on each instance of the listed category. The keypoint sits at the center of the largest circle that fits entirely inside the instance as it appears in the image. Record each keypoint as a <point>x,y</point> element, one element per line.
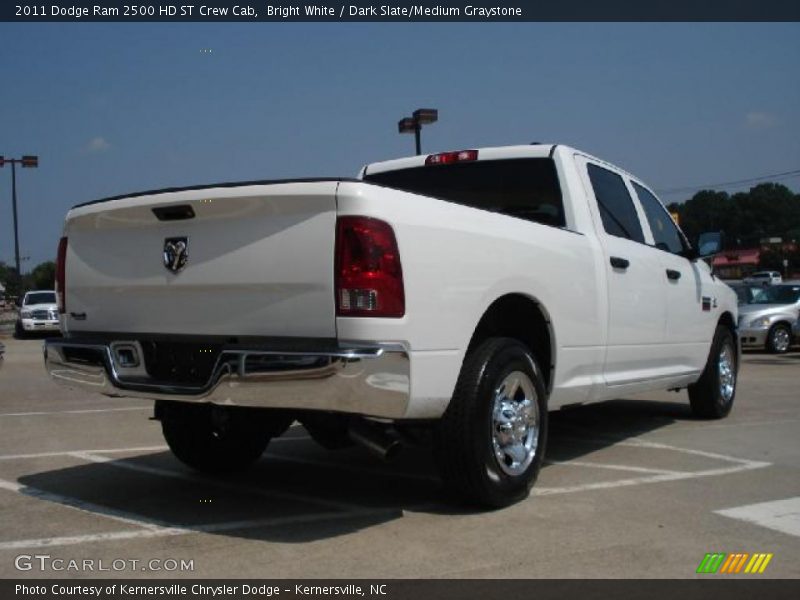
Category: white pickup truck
<point>455,297</point>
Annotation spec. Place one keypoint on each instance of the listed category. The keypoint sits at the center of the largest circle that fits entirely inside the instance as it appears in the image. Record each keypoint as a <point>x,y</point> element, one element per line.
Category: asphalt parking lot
<point>631,488</point>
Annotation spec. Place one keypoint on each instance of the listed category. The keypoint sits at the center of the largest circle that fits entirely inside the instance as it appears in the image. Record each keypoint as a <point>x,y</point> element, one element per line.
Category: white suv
<point>38,312</point>
<point>763,278</point>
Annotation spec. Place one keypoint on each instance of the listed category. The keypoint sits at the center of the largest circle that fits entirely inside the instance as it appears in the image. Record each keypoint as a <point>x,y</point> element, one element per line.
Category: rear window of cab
<point>526,188</point>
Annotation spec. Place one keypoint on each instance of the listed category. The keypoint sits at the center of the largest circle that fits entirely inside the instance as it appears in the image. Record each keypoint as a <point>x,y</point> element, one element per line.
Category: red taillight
<point>447,158</point>
<point>369,278</point>
<point>61,272</point>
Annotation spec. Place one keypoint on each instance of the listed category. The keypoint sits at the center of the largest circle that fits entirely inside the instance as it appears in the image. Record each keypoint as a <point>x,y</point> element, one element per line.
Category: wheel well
<point>727,320</point>
<point>521,318</point>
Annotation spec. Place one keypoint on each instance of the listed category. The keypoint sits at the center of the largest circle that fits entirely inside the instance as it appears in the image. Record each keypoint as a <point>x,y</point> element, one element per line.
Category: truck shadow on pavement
<point>579,431</point>
<point>299,492</point>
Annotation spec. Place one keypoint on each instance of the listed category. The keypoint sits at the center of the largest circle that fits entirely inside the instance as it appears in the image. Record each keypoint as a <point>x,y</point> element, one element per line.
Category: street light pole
<point>16,229</point>
<point>26,161</point>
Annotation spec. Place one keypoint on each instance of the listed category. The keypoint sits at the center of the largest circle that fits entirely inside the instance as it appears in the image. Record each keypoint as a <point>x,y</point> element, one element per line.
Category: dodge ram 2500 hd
<point>455,297</point>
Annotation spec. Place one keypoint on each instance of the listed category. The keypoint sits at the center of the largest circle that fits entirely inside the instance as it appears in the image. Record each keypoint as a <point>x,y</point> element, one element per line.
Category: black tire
<point>708,397</point>
<point>779,338</point>
<point>464,441</point>
<point>328,430</point>
<point>219,440</point>
<point>19,331</point>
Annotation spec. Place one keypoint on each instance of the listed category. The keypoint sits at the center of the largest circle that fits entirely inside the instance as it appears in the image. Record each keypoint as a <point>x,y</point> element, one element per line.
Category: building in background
<point>770,256</point>
<point>736,264</point>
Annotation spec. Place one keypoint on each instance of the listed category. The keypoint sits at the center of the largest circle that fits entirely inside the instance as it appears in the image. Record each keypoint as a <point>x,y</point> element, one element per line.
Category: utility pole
<point>26,161</point>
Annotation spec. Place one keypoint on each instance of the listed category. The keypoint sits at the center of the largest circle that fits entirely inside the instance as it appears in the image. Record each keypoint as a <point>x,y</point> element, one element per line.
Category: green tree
<point>766,210</point>
<point>8,276</point>
<point>5,273</point>
<point>43,276</point>
<point>771,260</point>
<point>707,210</point>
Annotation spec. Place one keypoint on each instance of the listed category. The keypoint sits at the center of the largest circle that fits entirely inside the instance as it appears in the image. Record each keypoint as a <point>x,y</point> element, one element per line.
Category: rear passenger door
<point>636,284</point>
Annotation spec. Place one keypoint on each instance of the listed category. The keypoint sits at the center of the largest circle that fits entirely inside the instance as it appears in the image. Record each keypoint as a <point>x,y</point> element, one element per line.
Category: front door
<point>637,308</point>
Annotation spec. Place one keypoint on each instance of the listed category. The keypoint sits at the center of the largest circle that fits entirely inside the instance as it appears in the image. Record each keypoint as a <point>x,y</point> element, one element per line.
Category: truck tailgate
<point>260,262</point>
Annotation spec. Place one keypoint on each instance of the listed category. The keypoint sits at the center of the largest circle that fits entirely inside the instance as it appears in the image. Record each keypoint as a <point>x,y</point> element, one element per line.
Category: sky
<point>116,108</point>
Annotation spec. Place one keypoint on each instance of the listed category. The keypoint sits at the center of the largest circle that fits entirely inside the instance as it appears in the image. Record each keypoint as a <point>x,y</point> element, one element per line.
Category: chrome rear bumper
<point>364,379</point>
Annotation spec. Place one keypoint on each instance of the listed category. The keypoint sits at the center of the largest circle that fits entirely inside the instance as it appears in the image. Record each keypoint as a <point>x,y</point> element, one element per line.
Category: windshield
<point>777,294</point>
<point>40,298</point>
<point>745,293</point>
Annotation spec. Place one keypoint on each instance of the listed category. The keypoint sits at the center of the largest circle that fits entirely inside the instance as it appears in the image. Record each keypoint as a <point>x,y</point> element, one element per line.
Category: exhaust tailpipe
<point>374,438</point>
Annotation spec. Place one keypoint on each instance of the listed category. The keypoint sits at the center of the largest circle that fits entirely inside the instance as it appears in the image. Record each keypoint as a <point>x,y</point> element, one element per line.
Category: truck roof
<point>490,153</point>
<point>535,150</point>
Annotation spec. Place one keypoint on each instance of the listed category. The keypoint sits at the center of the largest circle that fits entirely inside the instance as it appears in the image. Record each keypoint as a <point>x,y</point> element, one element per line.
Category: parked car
<point>454,297</point>
<point>745,293</point>
<point>38,311</point>
<point>767,322</point>
<point>763,278</point>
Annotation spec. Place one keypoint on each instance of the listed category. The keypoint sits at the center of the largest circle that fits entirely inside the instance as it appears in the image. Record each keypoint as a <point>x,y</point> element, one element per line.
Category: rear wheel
<point>216,439</point>
<point>490,442</point>
<point>779,338</point>
<point>713,395</point>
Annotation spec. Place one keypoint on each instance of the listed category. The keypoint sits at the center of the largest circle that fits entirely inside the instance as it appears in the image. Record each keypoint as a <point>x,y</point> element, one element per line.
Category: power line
<point>773,177</point>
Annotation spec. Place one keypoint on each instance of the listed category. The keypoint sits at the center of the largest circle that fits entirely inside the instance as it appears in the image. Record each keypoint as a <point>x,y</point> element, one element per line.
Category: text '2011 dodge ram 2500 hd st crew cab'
<point>458,295</point>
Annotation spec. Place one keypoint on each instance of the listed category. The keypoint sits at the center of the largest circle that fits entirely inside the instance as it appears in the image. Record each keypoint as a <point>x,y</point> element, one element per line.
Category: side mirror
<point>709,243</point>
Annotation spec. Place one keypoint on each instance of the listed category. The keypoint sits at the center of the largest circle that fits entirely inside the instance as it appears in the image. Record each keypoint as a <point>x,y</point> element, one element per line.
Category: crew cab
<point>455,297</point>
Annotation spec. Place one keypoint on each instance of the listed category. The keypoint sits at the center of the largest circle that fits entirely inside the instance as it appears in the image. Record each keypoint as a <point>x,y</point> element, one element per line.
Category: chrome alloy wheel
<point>727,373</point>
<point>781,339</point>
<point>515,423</point>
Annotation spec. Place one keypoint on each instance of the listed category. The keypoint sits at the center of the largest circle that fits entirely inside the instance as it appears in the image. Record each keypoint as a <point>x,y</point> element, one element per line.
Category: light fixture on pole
<point>414,123</point>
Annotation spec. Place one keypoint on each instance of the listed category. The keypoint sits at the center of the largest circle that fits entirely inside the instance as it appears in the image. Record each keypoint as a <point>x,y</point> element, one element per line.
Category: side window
<point>615,203</point>
<point>665,233</point>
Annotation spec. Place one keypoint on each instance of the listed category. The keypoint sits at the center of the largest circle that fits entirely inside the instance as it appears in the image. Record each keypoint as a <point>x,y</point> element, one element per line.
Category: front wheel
<point>779,338</point>
<point>711,397</point>
<point>215,439</point>
<point>490,442</point>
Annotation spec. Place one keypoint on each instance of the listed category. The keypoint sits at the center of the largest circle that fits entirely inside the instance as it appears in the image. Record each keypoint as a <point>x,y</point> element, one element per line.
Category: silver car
<point>763,278</point>
<point>745,293</point>
<point>767,322</point>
